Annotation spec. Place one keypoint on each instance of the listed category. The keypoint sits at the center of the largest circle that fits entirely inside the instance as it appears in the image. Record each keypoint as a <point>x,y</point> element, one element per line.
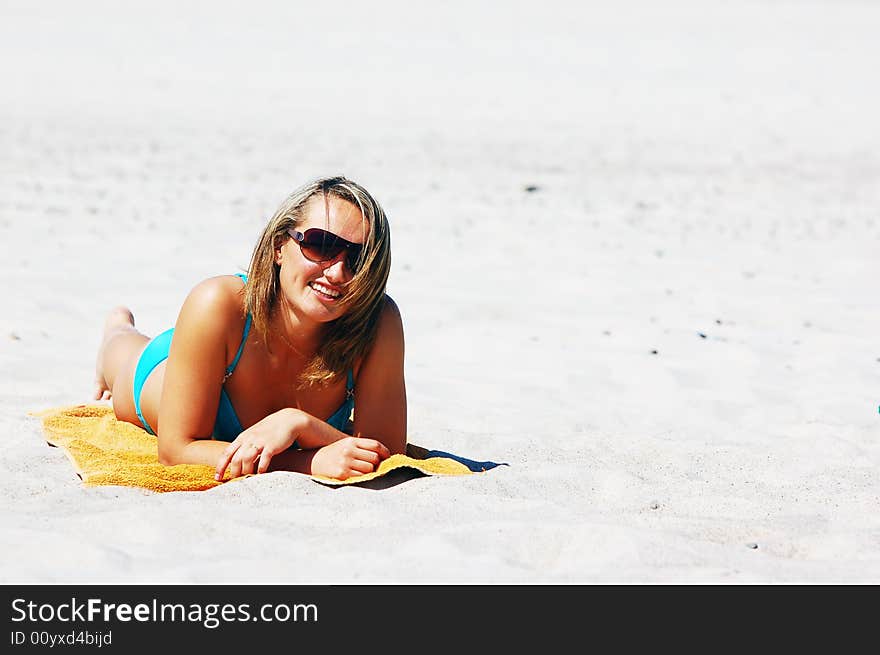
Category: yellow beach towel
<point>105,451</point>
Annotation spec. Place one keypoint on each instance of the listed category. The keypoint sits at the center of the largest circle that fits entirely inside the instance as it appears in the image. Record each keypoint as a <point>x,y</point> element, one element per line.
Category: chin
<point>321,313</point>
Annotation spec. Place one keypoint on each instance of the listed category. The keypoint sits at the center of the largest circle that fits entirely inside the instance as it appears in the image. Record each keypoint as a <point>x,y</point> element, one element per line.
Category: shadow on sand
<point>400,475</point>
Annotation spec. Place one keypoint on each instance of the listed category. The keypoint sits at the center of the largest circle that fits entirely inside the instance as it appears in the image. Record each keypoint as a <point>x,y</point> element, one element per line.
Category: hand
<point>253,449</point>
<point>349,457</point>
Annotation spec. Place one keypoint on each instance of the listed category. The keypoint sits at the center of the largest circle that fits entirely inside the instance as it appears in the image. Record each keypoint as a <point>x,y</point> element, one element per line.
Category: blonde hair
<point>349,336</point>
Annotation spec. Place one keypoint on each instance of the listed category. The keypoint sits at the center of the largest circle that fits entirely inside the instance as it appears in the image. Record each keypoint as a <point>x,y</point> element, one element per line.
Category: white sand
<point>702,168</point>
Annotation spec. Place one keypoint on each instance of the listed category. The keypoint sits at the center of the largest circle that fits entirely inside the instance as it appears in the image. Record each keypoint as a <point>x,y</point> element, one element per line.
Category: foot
<point>119,319</point>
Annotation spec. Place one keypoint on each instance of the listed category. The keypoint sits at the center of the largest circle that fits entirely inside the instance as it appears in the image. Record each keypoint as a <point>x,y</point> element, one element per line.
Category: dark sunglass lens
<point>321,245</point>
<point>353,259</point>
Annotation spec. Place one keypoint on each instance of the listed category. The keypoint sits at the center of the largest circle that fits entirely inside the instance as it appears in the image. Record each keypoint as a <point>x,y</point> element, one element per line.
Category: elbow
<point>166,459</point>
<point>168,456</point>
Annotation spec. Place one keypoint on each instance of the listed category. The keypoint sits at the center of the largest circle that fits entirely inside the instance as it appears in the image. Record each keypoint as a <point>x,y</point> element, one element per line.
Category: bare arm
<point>380,410</point>
<point>194,374</point>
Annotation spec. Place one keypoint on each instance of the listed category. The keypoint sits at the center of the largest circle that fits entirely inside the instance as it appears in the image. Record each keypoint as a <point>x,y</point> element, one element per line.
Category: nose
<point>337,272</point>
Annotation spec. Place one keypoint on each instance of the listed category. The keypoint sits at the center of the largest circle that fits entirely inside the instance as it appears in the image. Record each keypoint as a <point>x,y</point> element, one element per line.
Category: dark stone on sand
<point>752,545</point>
<point>702,336</point>
<point>654,352</point>
<point>718,321</point>
<point>655,505</point>
<point>531,188</point>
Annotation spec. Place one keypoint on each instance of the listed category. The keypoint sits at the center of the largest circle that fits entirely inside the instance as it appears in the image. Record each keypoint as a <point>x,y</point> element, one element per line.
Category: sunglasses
<point>319,245</point>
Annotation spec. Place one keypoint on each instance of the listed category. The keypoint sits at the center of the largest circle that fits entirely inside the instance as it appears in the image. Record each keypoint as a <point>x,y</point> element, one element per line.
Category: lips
<point>325,292</point>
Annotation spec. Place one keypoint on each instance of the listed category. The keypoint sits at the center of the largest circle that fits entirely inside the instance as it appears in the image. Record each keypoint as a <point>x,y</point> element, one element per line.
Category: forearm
<point>196,451</point>
<point>312,432</point>
<point>208,451</point>
<point>287,426</point>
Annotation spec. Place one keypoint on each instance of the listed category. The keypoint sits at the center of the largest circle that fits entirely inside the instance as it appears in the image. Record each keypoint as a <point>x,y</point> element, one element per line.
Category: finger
<point>234,470</point>
<point>235,467</point>
<point>225,458</point>
<point>249,459</point>
<point>363,442</point>
<point>265,458</point>
<point>375,446</point>
<point>359,467</point>
<point>369,456</point>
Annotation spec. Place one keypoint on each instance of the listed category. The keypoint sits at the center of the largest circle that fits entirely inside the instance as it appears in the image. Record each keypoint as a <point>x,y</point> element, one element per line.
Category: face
<point>315,289</point>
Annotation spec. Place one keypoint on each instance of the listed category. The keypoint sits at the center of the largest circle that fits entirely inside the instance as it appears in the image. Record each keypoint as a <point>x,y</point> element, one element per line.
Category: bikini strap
<point>247,329</point>
<point>231,367</point>
<point>349,385</point>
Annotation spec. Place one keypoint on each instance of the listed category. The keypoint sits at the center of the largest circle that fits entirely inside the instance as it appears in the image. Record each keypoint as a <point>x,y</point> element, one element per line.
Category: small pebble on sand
<point>752,545</point>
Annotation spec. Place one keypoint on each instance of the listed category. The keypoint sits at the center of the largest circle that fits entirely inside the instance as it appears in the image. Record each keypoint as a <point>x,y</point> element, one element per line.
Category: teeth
<point>325,290</point>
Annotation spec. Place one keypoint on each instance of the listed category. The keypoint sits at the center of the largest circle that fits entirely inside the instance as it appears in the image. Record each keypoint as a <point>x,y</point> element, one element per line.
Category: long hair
<point>349,336</point>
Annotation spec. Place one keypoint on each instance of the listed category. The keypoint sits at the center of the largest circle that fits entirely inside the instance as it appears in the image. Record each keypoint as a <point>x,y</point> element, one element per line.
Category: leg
<point>120,348</point>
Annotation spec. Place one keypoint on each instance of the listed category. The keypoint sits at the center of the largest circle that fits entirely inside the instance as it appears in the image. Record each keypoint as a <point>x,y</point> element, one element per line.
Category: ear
<point>278,244</point>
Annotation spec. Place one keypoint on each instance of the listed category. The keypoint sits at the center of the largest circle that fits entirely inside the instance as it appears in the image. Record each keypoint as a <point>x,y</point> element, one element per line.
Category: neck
<point>294,334</point>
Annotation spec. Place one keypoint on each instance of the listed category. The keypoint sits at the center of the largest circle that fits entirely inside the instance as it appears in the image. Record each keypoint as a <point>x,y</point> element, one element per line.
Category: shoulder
<point>218,294</point>
<point>390,321</point>
<point>389,332</point>
<point>214,304</point>
<point>390,311</point>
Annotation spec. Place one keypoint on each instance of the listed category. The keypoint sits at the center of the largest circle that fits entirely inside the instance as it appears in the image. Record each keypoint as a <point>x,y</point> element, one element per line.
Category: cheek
<point>299,268</point>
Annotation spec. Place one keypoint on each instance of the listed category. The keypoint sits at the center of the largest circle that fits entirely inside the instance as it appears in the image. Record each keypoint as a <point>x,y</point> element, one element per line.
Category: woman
<point>271,361</point>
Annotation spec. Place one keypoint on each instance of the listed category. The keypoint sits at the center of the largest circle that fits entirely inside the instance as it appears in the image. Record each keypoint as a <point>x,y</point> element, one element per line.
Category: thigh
<point>125,364</point>
<point>151,394</point>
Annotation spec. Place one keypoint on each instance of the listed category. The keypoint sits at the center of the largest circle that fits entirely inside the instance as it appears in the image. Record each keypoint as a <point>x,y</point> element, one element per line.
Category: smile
<point>323,291</point>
